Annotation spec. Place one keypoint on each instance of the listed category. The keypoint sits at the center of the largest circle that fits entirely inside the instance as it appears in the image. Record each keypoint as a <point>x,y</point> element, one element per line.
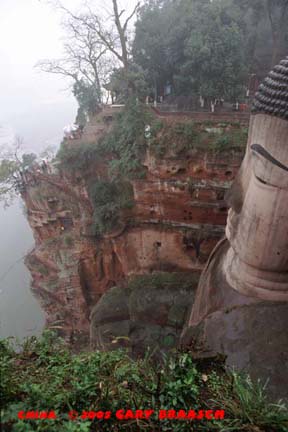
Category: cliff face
<point>176,217</point>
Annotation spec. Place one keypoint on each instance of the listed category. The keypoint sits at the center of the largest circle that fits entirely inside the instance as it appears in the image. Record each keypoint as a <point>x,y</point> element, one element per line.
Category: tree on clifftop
<point>195,45</point>
<point>266,29</point>
<point>214,64</point>
<point>95,45</point>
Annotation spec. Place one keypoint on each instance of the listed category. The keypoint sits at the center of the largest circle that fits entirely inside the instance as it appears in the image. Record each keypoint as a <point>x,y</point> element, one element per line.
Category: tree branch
<point>130,16</point>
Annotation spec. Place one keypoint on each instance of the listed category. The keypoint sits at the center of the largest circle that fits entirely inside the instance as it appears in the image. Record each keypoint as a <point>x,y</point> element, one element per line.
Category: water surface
<point>20,313</point>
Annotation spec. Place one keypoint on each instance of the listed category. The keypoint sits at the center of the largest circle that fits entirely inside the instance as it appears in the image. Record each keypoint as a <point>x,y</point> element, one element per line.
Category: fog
<point>35,106</point>
<point>30,30</point>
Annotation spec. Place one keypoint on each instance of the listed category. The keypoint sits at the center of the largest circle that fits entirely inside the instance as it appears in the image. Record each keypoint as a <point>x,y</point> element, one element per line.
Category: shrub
<point>46,375</point>
<point>186,129</point>
<point>186,136</point>
<point>108,199</point>
<point>157,125</point>
<point>235,139</point>
<point>127,140</point>
<point>78,156</point>
<point>222,143</point>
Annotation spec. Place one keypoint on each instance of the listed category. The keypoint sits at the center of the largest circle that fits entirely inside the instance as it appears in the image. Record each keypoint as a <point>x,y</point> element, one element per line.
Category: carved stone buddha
<point>241,305</point>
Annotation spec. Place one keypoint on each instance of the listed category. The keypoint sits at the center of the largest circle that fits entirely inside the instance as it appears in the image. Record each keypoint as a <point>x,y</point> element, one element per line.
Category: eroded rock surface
<point>177,217</point>
<point>150,311</point>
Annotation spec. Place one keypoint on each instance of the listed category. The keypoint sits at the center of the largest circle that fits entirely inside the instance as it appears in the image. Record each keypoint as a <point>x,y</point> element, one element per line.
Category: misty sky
<point>34,106</point>
<point>29,31</point>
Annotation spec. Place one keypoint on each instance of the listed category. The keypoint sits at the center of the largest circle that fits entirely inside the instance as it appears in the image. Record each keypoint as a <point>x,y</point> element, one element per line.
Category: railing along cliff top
<point>216,117</point>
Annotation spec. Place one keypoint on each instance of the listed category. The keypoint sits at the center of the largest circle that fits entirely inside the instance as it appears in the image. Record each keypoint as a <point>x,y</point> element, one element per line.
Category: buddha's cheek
<point>260,235</point>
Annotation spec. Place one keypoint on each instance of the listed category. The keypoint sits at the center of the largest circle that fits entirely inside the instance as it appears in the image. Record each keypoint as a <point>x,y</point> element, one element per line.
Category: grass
<point>46,375</point>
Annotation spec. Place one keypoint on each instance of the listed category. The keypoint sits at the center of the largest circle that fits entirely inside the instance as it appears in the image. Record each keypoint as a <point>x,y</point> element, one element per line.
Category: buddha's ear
<point>234,196</point>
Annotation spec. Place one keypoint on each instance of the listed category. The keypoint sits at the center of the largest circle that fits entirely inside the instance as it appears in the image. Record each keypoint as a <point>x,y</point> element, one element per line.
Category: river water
<point>20,313</point>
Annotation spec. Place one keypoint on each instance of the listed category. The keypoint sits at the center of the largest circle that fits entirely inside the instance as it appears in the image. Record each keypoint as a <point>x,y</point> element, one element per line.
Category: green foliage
<point>235,139</point>
<point>28,159</point>
<point>108,199</point>
<point>11,164</point>
<point>88,97</point>
<point>7,387</point>
<point>188,130</point>
<point>196,45</point>
<point>127,141</point>
<point>179,138</point>
<point>214,58</point>
<point>157,126</point>
<point>154,47</point>
<point>81,118</point>
<point>209,47</point>
<point>122,81</point>
<point>158,280</point>
<point>45,375</point>
<point>7,169</point>
<point>78,157</point>
<point>222,143</point>
<point>249,405</point>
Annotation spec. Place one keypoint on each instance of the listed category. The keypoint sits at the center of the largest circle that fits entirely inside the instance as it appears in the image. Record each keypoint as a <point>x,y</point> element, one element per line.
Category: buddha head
<point>256,263</point>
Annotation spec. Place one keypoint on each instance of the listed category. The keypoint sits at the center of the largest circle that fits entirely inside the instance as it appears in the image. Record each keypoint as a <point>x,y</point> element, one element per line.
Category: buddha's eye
<point>261,180</point>
<point>264,182</point>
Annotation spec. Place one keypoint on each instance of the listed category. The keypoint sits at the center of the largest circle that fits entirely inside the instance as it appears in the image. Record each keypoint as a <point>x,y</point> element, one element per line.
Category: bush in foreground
<point>47,376</point>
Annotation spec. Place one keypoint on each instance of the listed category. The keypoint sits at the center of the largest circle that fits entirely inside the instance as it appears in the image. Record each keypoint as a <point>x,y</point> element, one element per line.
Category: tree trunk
<point>277,28</point>
<point>121,36</point>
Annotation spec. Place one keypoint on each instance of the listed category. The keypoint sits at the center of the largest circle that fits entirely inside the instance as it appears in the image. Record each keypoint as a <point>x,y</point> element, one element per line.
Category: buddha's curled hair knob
<point>272,96</point>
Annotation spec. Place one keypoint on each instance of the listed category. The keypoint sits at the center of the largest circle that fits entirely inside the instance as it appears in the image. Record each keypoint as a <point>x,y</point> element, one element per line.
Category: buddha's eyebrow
<point>263,152</point>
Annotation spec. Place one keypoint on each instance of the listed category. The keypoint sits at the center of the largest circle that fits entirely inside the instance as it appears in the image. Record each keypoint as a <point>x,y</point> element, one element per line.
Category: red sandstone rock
<point>178,217</point>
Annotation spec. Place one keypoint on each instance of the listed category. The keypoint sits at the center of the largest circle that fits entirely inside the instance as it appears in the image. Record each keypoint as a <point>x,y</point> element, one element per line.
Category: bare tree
<point>111,31</point>
<point>83,59</point>
<point>95,45</point>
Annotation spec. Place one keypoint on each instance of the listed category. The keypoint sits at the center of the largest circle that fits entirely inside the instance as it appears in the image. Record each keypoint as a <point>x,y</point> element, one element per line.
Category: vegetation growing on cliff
<point>121,148</point>
<point>78,157</point>
<point>108,199</point>
<point>127,140</point>
<point>46,376</point>
<point>179,138</point>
